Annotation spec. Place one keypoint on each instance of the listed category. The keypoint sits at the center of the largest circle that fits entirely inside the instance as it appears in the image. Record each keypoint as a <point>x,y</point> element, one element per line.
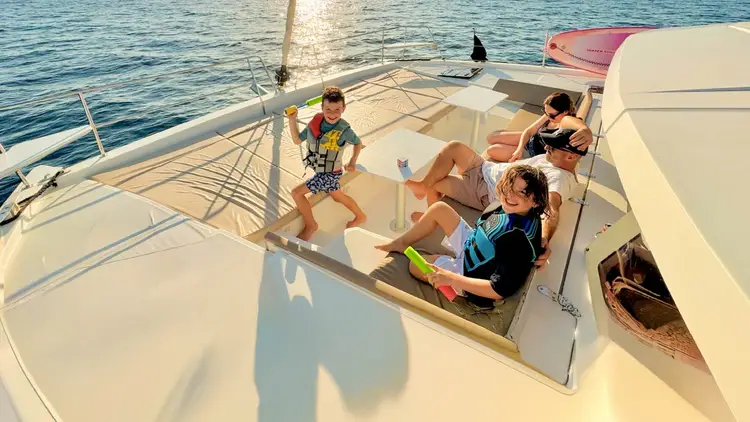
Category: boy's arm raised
<point>293,129</point>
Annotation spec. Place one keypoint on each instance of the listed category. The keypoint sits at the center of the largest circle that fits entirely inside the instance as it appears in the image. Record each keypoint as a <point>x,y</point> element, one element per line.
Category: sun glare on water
<point>313,26</point>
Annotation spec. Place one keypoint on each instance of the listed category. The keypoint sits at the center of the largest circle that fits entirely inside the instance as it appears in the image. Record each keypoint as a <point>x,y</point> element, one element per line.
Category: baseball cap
<point>560,139</point>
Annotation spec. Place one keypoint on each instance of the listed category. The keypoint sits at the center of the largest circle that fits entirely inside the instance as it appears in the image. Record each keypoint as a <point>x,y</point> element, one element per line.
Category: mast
<point>282,74</point>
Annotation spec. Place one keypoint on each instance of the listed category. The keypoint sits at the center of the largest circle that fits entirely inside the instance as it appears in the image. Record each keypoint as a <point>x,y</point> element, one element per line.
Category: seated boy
<point>327,135</point>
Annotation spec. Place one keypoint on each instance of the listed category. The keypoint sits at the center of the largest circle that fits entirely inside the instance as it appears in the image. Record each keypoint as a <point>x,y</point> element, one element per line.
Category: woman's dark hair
<point>561,102</point>
<point>536,186</point>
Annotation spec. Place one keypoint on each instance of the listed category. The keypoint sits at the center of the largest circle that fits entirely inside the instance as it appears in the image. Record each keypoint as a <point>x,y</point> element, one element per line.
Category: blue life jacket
<point>479,248</point>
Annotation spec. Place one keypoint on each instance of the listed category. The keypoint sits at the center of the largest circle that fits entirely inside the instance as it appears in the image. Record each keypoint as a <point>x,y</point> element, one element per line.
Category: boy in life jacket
<point>327,135</point>
<point>492,261</point>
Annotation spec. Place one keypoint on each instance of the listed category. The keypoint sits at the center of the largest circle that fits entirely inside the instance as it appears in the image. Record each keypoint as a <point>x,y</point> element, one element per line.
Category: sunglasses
<point>553,115</point>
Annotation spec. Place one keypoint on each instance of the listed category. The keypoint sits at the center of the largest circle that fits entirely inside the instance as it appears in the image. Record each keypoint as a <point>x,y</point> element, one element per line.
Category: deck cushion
<point>529,93</point>
<point>216,181</point>
<point>394,270</point>
<point>241,180</point>
<point>415,83</point>
<point>524,117</point>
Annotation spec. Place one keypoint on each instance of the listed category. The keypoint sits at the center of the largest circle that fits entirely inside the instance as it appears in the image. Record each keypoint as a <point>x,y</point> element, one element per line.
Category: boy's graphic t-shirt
<point>332,140</point>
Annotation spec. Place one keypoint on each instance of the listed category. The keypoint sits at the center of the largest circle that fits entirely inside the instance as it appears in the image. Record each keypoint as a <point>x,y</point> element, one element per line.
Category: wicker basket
<point>642,305</point>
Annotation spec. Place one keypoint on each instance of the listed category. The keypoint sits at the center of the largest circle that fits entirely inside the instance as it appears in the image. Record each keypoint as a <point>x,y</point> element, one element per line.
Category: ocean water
<point>52,46</point>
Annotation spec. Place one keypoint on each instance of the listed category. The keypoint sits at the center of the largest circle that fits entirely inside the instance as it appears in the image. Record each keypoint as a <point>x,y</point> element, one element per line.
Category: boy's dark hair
<point>536,186</point>
<point>561,102</point>
<point>333,94</point>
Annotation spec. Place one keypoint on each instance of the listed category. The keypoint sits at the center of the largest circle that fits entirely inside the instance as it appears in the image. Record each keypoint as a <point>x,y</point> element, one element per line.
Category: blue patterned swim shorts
<point>325,182</point>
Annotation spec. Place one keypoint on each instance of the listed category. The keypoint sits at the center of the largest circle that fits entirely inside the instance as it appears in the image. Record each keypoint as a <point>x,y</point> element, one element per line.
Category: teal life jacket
<point>479,248</point>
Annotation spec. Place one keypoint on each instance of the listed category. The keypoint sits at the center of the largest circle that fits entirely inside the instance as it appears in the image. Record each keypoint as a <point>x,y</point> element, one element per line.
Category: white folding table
<point>479,100</point>
<point>380,158</point>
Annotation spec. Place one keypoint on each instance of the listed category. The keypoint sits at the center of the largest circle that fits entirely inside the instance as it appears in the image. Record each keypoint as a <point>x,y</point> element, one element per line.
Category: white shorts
<point>456,241</point>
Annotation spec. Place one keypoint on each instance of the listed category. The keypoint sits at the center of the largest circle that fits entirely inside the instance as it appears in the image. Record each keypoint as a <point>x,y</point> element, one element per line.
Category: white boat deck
<point>27,153</point>
<point>139,299</point>
<point>240,179</point>
<point>164,318</point>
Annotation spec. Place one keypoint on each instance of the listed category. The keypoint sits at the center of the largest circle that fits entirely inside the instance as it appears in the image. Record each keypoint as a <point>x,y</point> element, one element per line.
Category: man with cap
<point>474,185</point>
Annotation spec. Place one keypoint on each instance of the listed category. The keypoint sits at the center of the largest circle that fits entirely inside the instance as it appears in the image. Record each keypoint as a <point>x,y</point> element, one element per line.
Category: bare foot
<point>358,221</point>
<point>391,247</point>
<point>307,232</point>
<point>415,216</point>
<point>417,188</point>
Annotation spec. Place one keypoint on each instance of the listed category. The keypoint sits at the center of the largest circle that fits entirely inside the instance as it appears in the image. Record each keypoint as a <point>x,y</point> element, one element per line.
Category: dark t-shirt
<point>517,240</point>
<point>535,146</point>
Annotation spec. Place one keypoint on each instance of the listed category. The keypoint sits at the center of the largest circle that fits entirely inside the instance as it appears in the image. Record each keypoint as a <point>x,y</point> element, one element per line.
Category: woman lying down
<point>493,261</point>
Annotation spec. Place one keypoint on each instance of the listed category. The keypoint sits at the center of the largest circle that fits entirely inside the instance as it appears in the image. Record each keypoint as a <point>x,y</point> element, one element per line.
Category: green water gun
<point>311,102</point>
<point>419,261</point>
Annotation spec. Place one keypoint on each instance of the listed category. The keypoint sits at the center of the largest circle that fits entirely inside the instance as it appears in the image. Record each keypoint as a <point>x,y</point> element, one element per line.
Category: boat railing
<point>95,126</point>
<point>386,44</point>
<point>400,43</point>
<point>383,46</point>
<point>80,94</point>
<point>390,39</point>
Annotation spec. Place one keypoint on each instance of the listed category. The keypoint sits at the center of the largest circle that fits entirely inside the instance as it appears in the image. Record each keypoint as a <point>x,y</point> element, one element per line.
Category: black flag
<point>479,54</point>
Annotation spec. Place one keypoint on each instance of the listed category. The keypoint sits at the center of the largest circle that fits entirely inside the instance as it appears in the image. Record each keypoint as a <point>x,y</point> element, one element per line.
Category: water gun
<point>311,102</point>
<point>420,262</point>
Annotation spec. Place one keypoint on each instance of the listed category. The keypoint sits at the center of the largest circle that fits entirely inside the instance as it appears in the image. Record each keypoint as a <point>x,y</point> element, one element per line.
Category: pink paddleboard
<point>590,49</point>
